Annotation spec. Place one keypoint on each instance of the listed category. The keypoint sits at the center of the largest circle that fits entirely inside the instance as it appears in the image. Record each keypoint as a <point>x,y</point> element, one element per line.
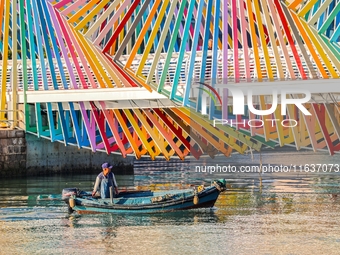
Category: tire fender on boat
<point>220,185</point>
<point>196,199</point>
<point>72,202</point>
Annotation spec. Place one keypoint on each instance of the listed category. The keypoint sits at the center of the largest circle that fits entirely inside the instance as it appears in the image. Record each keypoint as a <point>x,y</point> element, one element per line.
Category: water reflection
<point>283,214</point>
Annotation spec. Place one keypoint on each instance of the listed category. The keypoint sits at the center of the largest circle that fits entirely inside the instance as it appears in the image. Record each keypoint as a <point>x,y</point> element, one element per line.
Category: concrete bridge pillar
<point>12,152</point>
<point>23,154</point>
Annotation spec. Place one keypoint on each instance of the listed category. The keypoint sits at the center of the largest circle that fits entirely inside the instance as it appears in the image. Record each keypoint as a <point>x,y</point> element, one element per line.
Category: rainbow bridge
<point>141,77</point>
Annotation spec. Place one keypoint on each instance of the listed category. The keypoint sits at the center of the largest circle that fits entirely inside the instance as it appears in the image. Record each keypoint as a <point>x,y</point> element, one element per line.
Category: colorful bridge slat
<point>162,46</point>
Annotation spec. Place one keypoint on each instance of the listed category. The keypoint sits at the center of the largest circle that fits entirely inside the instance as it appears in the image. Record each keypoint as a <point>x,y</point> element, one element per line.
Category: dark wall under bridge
<point>23,154</point>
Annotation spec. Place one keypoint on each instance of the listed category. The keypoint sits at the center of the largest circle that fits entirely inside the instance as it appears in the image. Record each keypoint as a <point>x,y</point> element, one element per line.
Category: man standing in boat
<point>104,181</point>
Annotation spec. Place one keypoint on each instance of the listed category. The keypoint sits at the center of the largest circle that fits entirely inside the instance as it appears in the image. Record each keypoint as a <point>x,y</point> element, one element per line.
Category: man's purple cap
<point>106,165</point>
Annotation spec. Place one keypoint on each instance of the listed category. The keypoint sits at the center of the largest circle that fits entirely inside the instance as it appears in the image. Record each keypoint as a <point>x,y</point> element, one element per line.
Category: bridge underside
<point>147,78</point>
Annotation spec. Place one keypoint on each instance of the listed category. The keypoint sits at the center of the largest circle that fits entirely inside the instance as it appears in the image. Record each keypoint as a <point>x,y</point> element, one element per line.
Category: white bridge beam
<point>105,94</point>
<point>122,98</point>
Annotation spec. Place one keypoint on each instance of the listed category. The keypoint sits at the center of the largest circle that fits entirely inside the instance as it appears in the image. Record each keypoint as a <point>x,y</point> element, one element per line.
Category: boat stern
<point>68,192</point>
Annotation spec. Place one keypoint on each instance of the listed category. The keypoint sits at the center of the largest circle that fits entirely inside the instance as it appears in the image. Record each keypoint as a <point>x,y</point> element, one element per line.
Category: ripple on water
<point>287,214</point>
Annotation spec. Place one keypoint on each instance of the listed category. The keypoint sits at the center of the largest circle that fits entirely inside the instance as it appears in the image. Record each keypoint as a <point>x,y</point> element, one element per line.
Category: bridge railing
<point>43,83</point>
<point>12,119</point>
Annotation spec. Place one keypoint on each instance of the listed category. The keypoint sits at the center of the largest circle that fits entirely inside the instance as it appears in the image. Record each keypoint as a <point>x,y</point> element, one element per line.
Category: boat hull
<point>145,203</point>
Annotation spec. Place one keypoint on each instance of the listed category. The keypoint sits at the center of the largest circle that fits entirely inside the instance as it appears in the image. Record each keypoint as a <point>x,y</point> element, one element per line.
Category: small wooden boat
<point>145,201</point>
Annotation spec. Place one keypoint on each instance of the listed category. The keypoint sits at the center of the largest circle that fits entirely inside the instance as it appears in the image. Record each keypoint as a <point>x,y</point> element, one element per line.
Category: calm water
<point>290,213</point>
